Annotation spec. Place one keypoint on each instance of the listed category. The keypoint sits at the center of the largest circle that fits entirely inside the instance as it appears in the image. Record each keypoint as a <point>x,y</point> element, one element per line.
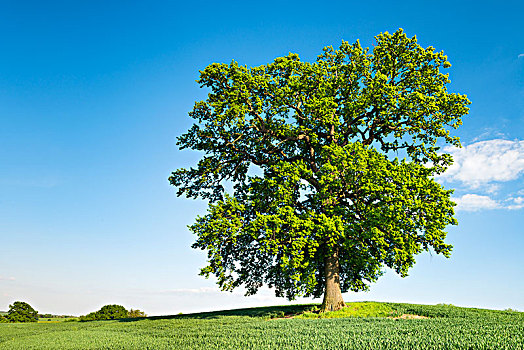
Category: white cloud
<point>479,164</point>
<point>475,202</point>
<point>515,203</point>
<point>488,134</point>
<point>7,278</point>
<point>521,55</point>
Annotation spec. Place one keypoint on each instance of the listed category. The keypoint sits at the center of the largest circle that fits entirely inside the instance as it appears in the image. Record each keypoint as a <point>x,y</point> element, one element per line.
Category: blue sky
<point>92,96</point>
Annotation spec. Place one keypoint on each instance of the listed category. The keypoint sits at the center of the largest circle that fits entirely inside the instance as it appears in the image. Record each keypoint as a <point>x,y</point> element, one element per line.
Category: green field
<point>54,319</point>
<point>446,327</point>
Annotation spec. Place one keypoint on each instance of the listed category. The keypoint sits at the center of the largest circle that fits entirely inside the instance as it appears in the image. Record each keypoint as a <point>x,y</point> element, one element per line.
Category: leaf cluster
<point>135,313</point>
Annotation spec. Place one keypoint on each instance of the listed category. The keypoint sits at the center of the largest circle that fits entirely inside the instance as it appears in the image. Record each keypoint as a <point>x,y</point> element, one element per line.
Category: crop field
<point>55,319</point>
<point>443,327</point>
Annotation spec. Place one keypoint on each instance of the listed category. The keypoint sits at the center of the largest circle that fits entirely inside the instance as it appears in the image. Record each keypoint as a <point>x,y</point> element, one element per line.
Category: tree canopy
<point>331,165</point>
<point>107,312</point>
<point>21,312</point>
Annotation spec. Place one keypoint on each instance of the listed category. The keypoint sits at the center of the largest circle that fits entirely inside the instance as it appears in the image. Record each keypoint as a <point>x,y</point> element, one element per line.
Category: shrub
<point>89,317</point>
<point>136,313</point>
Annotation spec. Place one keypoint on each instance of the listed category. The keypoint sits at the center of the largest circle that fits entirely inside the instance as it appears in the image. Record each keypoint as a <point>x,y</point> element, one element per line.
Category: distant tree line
<point>23,312</point>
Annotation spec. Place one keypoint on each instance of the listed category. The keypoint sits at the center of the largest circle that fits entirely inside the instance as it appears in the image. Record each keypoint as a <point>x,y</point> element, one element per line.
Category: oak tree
<point>330,167</point>
<point>107,312</point>
<point>21,311</point>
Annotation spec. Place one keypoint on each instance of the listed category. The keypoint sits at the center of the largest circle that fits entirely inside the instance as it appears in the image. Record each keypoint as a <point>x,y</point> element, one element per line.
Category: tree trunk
<point>332,295</point>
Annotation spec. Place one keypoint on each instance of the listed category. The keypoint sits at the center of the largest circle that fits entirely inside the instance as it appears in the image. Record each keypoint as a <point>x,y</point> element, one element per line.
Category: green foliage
<point>21,312</point>
<point>3,319</point>
<point>510,310</point>
<point>136,313</point>
<point>107,312</point>
<point>112,312</point>
<point>311,149</point>
<point>448,328</point>
<point>89,317</point>
<point>277,314</point>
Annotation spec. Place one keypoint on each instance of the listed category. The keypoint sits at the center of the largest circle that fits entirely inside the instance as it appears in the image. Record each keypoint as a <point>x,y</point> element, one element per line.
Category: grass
<point>56,319</point>
<point>447,327</point>
<point>358,309</point>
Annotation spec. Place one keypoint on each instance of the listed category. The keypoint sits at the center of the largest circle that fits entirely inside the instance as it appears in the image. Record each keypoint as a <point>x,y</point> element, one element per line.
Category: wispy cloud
<point>515,203</point>
<point>480,164</point>
<point>521,55</point>
<point>488,134</point>
<point>2,278</point>
<point>475,202</point>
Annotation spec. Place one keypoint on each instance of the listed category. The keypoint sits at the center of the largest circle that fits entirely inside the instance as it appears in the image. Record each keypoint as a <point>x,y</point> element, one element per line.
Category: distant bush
<point>89,317</point>
<point>21,312</point>
<point>112,312</point>
<point>107,312</point>
<point>136,313</point>
<point>3,319</point>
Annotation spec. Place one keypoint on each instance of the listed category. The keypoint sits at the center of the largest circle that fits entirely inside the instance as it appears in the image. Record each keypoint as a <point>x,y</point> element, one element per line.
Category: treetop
<point>393,98</point>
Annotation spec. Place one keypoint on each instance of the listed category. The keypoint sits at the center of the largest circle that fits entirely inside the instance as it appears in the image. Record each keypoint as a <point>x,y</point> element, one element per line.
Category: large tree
<point>330,167</point>
<point>107,312</point>
<point>21,312</point>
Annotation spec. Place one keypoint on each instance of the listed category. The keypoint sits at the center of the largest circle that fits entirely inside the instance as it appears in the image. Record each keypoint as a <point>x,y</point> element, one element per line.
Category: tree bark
<point>332,294</point>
